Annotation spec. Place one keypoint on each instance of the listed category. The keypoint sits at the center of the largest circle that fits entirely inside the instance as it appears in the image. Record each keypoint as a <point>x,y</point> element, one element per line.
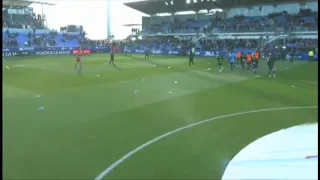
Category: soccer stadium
<point>204,89</point>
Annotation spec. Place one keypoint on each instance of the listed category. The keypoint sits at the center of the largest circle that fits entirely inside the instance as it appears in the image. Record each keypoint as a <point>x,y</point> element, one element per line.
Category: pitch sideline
<point>139,148</point>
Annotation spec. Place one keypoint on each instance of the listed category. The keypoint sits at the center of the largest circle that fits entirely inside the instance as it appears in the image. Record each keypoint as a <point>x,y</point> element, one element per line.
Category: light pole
<point>108,19</point>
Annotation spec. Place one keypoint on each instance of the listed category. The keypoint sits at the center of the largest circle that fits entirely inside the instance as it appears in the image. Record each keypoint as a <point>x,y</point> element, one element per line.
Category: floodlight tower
<point>109,19</point>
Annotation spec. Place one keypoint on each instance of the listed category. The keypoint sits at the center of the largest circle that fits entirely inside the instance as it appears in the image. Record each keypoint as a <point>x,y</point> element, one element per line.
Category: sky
<point>92,15</point>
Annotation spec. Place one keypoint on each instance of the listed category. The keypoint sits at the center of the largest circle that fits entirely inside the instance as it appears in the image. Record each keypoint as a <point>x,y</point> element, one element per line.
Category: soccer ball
<point>209,69</point>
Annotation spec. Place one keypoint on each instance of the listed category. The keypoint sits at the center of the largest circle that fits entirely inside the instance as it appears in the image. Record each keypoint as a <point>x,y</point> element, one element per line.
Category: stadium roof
<point>165,6</point>
<point>22,3</point>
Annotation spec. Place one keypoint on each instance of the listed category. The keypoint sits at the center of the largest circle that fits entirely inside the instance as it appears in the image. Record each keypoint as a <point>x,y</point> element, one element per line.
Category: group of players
<point>240,59</point>
<point>249,61</point>
<point>245,61</point>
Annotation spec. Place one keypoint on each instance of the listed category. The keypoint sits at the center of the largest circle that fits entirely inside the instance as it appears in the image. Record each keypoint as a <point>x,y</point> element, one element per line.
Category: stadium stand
<point>226,17</point>
<point>20,17</point>
<point>215,26</point>
<point>228,25</point>
<point>21,27</point>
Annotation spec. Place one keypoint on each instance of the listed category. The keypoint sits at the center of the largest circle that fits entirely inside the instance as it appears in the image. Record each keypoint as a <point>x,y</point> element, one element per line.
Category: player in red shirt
<point>78,58</point>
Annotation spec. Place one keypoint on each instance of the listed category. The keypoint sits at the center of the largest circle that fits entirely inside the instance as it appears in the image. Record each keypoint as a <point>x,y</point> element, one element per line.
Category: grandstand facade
<point>228,25</point>
<point>214,16</point>
<point>23,28</point>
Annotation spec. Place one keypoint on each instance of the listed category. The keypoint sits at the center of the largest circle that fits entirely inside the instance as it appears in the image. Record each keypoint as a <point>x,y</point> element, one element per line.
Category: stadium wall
<point>62,51</point>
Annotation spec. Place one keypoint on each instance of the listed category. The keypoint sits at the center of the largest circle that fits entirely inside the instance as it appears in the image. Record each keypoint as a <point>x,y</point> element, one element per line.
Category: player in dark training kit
<point>111,58</point>
<point>243,60</point>
<point>220,63</point>
<point>271,61</point>
<point>146,54</point>
<point>192,52</point>
<point>255,66</point>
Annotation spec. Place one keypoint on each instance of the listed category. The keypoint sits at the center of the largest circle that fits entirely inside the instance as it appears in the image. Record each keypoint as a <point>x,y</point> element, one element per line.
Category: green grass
<point>90,121</point>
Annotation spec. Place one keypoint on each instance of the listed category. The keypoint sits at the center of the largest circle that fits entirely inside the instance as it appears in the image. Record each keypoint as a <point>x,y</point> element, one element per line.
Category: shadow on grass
<point>79,71</point>
<point>116,67</point>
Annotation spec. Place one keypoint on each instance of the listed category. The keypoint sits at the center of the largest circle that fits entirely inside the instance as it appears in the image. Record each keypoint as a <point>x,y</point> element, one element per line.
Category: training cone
<point>41,108</point>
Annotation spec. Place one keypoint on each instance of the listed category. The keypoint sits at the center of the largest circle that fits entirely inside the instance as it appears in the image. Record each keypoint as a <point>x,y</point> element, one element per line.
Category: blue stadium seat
<point>253,23</point>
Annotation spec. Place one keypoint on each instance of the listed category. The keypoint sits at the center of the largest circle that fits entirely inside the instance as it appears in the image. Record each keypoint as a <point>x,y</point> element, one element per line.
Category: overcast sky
<point>92,15</point>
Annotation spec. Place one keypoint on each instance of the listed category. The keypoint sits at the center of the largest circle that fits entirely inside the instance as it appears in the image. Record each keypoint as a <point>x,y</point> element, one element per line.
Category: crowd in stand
<point>26,21</point>
<point>10,43</point>
<point>173,44</point>
<point>203,44</point>
<point>237,23</point>
<point>33,39</point>
<point>227,44</point>
<point>274,22</point>
<point>183,27</point>
<point>302,45</point>
<point>30,21</point>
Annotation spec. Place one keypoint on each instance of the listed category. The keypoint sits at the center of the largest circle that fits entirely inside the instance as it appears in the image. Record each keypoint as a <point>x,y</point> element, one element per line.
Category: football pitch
<point>62,123</point>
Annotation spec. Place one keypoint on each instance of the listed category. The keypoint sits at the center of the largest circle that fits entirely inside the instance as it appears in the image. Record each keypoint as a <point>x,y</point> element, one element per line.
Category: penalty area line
<point>141,147</point>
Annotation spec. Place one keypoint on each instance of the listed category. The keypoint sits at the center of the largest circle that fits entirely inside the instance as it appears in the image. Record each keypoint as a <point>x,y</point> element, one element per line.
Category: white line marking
<point>139,148</point>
